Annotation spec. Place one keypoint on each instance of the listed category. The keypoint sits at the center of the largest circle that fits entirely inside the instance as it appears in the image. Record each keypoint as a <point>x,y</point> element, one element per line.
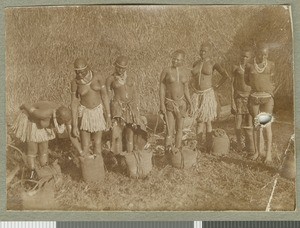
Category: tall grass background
<point>43,42</point>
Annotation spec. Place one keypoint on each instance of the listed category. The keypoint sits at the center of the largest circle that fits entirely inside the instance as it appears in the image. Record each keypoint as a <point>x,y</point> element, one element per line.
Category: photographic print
<point>150,108</point>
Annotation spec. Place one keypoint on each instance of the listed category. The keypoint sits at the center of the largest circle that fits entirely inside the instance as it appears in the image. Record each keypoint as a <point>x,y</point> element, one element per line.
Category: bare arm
<point>108,87</point>
<point>187,90</point>
<point>162,91</point>
<point>246,75</point>
<point>105,100</point>
<point>233,105</point>
<point>223,73</point>
<point>75,142</point>
<point>272,72</point>
<point>74,104</point>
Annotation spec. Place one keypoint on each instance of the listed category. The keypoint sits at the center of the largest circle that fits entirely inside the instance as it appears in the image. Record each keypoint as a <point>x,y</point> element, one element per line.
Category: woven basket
<point>139,163</point>
<point>183,159</point>
<point>220,143</point>
<point>92,168</point>
<point>41,198</point>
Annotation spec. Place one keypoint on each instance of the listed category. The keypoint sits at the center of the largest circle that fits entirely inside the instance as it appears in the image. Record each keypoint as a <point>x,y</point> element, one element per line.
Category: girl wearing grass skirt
<point>36,124</point>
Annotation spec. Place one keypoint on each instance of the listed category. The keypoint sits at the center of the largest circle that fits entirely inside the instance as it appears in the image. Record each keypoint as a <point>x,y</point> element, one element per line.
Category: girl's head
<point>63,115</point>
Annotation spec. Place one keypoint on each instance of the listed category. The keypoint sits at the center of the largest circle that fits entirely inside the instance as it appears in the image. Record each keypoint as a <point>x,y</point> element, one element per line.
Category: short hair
<point>64,114</point>
<point>122,61</point>
<point>206,44</point>
<point>80,64</point>
<point>179,52</point>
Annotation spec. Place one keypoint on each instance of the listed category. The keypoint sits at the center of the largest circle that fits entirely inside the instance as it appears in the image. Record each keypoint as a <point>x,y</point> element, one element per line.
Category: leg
<point>248,120</point>
<point>85,138</point>
<point>170,128</point>
<point>200,127</point>
<point>208,136</point>
<point>129,138</point>
<point>268,108</point>
<point>44,155</point>
<point>179,127</point>
<point>97,139</point>
<point>116,139</point>
<point>199,133</point>
<point>254,110</point>
<point>238,131</point>
<point>249,140</point>
<point>32,150</point>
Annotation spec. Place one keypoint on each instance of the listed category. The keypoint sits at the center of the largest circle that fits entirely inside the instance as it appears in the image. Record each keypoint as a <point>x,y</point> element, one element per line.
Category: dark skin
<point>89,95</point>
<point>261,57</point>
<point>42,113</point>
<point>208,68</point>
<point>123,93</point>
<point>238,84</point>
<point>174,85</point>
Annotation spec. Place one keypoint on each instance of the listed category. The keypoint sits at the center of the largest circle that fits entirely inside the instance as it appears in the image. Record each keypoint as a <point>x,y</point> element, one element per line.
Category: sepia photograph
<point>150,108</point>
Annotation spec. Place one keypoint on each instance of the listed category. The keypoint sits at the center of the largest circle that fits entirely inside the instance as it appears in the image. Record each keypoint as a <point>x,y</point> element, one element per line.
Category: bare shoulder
<point>215,64</point>
<point>197,63</point>
<point>165,71</point>
<point>110,79</point>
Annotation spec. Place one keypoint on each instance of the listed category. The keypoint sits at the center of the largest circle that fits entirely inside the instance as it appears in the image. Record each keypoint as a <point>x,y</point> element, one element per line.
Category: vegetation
<point>42,43</point>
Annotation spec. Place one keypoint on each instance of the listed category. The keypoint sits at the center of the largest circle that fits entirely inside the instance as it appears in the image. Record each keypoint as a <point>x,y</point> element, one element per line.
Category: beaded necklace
<point>86,80</point>
<point>258,69</point>
<point>122,80</point>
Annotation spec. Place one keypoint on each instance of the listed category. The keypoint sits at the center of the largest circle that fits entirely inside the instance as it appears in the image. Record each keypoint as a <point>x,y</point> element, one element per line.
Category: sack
<point>39,198</point>
<point>183,159</point>
<point>139,163</point>
<point>92,168</point>
<point>220,143</point>
<point>49,172</point>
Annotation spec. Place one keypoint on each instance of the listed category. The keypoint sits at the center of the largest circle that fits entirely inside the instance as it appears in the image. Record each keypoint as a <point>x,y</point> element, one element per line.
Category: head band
<point>80,68</point>
<point>122,66</point>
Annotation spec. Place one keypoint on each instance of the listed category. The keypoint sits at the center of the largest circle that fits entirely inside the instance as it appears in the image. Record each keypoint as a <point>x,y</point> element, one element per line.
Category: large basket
<point>40,198</point>
<point>92,168</point>
<point>220,143</point>
<point>139,163</point>
<point>183,159</point>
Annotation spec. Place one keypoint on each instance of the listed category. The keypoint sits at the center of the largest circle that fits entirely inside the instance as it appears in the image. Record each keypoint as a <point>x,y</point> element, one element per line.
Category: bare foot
<point>254,156</point>
<point>263,153</point>
<point>268,161</point>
